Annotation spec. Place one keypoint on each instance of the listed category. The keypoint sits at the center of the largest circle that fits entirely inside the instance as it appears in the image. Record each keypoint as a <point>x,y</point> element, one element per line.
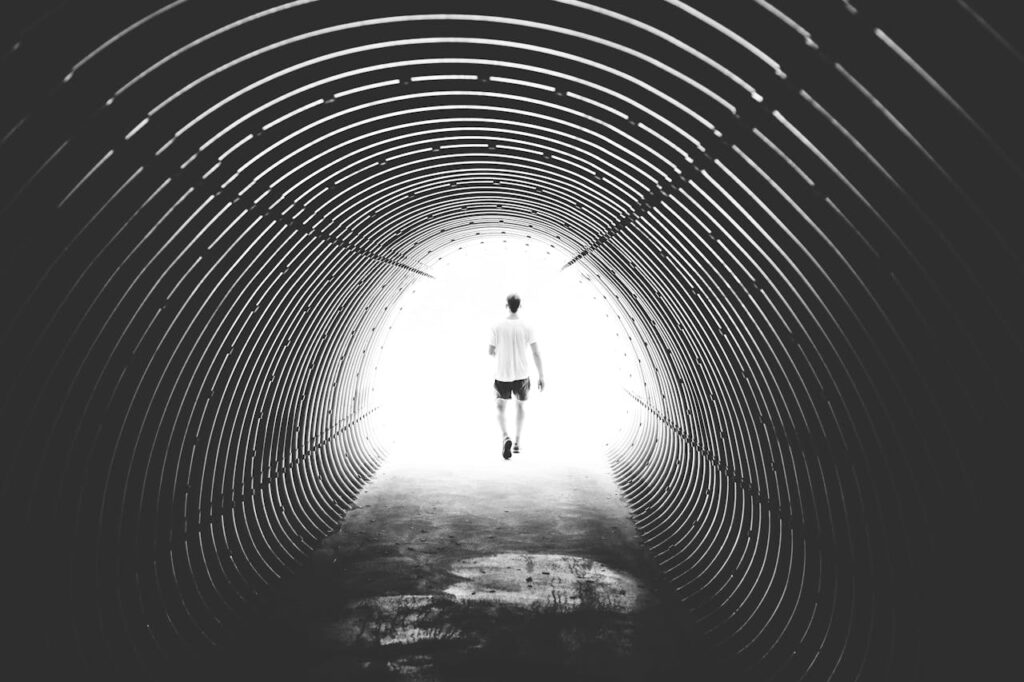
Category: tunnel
<point>804,219</point>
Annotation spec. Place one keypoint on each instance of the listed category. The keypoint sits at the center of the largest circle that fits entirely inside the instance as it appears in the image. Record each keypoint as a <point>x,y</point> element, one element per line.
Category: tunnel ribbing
<point>804,220</point>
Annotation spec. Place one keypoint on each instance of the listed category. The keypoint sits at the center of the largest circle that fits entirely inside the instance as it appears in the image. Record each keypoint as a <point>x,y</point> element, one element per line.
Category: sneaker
<point>506,448</point>
<point>515,447</point>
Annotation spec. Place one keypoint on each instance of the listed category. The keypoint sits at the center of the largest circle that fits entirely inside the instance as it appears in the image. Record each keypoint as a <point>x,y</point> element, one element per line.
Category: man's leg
<point>520,413</point>
<point>506,442</point>
<point>501,416</point>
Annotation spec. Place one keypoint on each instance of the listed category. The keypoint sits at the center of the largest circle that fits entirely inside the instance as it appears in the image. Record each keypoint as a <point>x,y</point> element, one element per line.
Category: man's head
<point>512,301</point>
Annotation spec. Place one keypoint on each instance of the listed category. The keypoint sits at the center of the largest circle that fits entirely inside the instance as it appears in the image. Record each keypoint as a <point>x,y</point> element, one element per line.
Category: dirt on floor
<point>483,570</point>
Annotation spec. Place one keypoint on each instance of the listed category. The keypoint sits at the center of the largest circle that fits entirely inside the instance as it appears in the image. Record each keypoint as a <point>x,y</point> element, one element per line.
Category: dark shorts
<point>505,389</point>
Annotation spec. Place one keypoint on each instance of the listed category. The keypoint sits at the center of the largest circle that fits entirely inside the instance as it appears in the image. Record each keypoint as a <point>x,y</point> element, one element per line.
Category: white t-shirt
<point>511,340</point>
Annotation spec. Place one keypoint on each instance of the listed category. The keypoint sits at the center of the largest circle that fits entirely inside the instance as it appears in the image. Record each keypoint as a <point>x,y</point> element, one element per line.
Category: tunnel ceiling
<point>807,218</point>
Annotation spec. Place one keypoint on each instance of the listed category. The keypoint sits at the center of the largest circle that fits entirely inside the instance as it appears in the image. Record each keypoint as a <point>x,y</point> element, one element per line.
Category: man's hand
<point>540,383</point>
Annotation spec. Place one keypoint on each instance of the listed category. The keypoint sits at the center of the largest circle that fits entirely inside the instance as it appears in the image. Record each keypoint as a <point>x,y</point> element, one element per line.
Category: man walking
<point>509,340</point>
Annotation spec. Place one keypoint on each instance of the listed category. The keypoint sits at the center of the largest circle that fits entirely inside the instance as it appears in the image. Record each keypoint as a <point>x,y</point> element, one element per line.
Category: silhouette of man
<point>509,340</point>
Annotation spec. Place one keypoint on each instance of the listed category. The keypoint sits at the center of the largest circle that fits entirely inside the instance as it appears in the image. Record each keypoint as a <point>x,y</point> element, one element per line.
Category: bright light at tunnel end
<point>434,378</point>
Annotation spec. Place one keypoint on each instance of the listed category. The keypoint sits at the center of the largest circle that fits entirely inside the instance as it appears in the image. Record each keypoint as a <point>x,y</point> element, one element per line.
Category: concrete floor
<point>482,569</point>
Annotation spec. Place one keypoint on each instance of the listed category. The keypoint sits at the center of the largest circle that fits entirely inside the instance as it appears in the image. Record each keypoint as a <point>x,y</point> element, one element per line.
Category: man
<point>509,340</point>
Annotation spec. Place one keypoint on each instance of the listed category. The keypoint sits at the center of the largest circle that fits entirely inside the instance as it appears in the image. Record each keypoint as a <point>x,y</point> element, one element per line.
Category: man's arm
<point>540,367</point>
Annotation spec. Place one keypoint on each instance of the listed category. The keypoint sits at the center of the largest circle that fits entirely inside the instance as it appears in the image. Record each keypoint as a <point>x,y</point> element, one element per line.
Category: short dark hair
<point>513,302</point>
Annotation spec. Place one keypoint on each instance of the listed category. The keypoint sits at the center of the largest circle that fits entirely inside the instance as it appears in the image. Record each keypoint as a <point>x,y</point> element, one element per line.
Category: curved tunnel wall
<point>807,220</point>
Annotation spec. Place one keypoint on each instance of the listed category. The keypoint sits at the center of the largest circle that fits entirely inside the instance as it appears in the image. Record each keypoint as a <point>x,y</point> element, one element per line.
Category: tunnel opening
<point>433,378</point>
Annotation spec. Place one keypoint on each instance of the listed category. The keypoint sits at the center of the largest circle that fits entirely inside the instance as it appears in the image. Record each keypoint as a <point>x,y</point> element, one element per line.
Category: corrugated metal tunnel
<point>807,219</point>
